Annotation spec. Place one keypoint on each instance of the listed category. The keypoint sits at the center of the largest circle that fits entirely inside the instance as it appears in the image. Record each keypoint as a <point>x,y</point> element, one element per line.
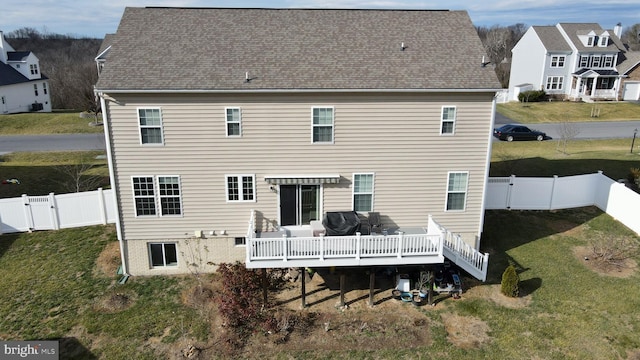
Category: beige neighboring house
<point>232,132</point>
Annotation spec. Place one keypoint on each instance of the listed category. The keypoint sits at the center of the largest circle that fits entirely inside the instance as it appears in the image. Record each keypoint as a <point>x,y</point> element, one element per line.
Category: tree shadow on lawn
<point>542,167</point>
<point>508,229</point>
<point>6,241</point>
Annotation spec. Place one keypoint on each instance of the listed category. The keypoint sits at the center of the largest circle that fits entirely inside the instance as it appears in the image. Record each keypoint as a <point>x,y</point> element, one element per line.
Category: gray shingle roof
<point>552,39</point>
<point>17,55</point>
<point>212,49</point>
<point>10,76</point>
<point>573,29</point>
<point>628,61</point>
<point>106,42</point>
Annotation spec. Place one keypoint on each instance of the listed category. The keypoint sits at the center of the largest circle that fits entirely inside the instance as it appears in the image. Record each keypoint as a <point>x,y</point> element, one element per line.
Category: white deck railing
<point>359,250</point>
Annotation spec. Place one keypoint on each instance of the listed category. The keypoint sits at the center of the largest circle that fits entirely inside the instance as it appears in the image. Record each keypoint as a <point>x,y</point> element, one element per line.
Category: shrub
<point>240,301</point>
<point>510,282</point>
<point>532,96</point>
<point>634,176</point>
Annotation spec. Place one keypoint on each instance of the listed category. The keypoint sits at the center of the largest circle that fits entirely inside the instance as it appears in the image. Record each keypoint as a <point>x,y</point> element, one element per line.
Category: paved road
<point>586,130</point>
<point>61,142</point>
<point>64,142</point>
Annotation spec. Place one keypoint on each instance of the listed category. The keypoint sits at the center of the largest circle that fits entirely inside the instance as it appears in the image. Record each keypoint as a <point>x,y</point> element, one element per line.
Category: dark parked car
<point>518,132</point>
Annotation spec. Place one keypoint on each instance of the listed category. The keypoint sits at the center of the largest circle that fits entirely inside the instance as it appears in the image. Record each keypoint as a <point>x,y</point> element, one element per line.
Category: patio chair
<point>375,225</point>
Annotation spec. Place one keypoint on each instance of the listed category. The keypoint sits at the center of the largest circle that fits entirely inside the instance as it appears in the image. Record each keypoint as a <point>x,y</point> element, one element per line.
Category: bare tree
<point>631,37</point>
<point>498,42</point>
<point>612,252</point>
<point>568,131</point>
<point>77,177</point>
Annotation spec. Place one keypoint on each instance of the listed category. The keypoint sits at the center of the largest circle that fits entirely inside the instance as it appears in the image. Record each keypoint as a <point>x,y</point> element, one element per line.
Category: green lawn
<point>543,158</point>
<point>53,288</point>
<point>559,111</point>
<point>40,173</point>
<point>46,123</point>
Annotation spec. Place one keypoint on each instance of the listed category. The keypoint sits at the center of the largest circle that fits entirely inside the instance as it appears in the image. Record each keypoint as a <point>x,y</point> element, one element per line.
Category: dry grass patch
<point>492,293</point>
<point>115,301</point>
<point>108,260</point>
<point>466,332</point>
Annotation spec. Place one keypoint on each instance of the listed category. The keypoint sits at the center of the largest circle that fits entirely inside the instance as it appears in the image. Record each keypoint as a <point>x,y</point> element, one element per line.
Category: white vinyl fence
<point>52,212</point>
<point>614,198</point>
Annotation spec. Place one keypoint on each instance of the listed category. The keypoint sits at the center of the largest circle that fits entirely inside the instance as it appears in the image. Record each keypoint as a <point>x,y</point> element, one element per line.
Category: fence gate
<point>40,212</point>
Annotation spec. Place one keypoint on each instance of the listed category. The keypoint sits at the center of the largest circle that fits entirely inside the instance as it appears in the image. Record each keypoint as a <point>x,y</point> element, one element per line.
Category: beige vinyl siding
<point>394,135</point>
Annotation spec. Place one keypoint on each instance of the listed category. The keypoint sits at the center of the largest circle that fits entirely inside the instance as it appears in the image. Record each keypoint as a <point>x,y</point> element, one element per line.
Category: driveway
<point>62,142</point>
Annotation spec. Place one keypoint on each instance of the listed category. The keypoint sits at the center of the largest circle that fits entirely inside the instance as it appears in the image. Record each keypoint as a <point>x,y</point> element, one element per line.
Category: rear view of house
<point>231,133</point>
<point>23,87</point>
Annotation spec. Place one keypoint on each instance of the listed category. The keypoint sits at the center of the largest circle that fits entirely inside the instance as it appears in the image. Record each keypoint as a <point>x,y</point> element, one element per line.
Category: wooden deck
<point>403,246</point>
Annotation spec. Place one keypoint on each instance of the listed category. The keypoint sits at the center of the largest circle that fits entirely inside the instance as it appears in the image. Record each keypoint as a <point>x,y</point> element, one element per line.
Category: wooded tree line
<point>69,63</point>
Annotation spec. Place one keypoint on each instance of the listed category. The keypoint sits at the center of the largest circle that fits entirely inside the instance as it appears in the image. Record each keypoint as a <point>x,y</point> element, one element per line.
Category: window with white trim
<point>584,61</point>
<point>169,194</point>
<point>322,123</point>
<point>363,192</point>
<point>240,188</point>
<point>554,82</point>
<point>240,241</point>
<point>234,122</point>
<point>163,254</point>
<point>149,191</point>
<point>34,69</point>
<point>35,89</point>
<point>608,61</point>
<point>590,40</point>
<point>457,190</point>
<point>144,195</point>
<point>44,88</point>
<point>595,61</point>
<point>557,61</point>
<point>447,120</point>
<point>150,123</point>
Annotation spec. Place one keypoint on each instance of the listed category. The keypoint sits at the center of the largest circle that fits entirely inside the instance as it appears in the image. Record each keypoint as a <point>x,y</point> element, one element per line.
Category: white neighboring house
<point>23,88</point>
<point>577,61</point>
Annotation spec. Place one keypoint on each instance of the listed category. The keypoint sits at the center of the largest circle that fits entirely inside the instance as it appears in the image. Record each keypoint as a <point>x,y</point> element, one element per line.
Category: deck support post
<point>342,281</point>
<point>372,284</point>
<point>432,276</point>
<point>303,296</point>
<point>265,286</point>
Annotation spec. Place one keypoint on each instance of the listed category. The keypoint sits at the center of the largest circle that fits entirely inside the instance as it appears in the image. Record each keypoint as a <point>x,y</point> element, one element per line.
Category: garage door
<point>631,90</point>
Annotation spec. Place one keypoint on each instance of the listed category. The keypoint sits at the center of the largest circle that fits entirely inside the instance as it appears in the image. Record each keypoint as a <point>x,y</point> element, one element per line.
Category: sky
<point>82,18</point>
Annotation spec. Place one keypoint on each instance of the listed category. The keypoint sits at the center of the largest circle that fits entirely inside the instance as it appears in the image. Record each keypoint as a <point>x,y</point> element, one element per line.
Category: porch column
<point>593,86</point>
<point>576,91</point>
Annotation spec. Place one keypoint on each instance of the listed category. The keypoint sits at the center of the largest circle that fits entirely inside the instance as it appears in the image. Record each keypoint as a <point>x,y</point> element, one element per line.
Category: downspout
<point>112,179</point>
<point>486,173</point>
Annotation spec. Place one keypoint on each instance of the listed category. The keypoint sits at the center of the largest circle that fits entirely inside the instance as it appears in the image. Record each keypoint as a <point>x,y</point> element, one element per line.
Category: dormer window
<point>604,41</point>
<point>34,69</point>
<point>591,40</point>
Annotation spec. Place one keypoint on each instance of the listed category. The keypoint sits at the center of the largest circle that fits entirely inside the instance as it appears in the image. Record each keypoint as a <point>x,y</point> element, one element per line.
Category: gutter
<point>114,185</point>
<point>265,91</point>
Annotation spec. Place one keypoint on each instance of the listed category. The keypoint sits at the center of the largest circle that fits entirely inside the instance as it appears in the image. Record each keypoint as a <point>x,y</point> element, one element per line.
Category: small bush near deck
<point>532,96</point>
<point>510,282</point>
